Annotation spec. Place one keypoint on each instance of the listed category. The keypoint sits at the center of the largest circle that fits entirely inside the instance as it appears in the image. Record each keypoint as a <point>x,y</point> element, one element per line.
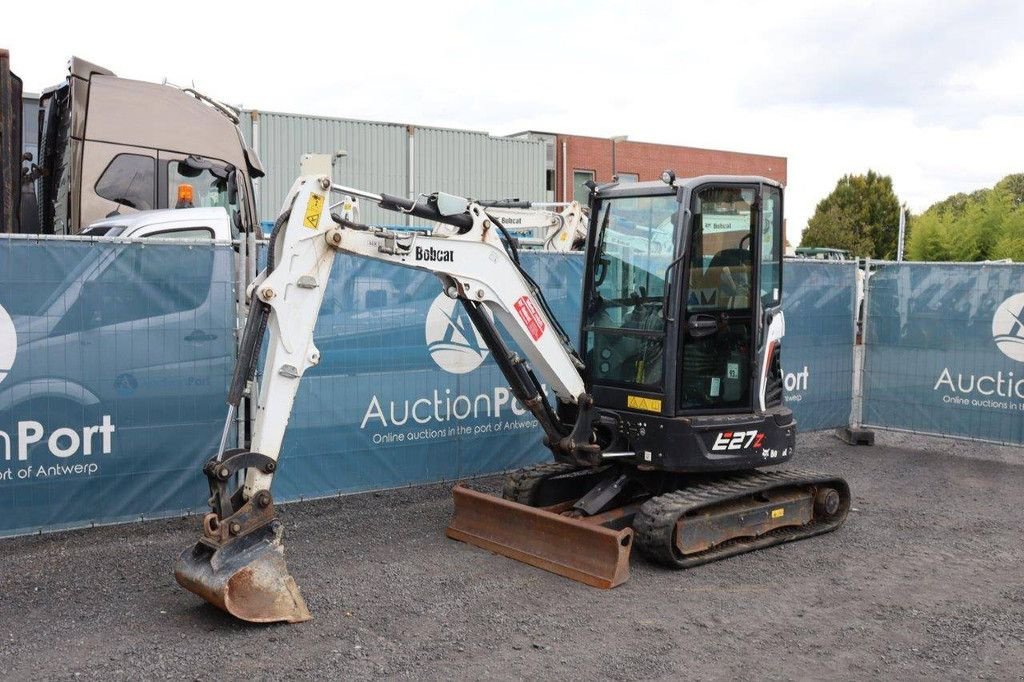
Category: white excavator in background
<point>662,417</point>
<point>551,226</point>
<point>559,226</point>
<point>534,226</point>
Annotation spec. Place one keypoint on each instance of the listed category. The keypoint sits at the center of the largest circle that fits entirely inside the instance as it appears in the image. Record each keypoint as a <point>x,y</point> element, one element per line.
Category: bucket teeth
<point>247,577</point>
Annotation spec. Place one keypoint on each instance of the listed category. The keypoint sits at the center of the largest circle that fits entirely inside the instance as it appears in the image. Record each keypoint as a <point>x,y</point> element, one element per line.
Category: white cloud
<point>927,93</point>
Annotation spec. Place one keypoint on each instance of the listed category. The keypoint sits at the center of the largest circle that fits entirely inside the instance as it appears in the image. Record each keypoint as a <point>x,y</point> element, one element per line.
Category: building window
<point>580,192</point>
<point>628,177</point>
<point>550,180</point>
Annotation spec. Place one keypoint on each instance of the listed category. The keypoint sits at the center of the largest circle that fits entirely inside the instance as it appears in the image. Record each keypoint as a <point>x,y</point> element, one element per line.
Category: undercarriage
<point>583,523</point>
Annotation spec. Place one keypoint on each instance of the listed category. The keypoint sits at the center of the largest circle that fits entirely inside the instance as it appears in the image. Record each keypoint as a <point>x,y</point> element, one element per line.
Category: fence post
<point>854,433</point>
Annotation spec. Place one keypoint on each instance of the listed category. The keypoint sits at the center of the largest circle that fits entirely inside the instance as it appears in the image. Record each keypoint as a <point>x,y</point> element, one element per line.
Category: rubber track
<point>520,485</point>
<point>655,523</point>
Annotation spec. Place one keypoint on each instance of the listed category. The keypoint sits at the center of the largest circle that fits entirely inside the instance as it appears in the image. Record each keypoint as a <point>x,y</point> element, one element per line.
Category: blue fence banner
<point>817,354</point>
<point>406,391</point>
<point>115,360</point>
<point>945,350</point>
<point>114,363</point>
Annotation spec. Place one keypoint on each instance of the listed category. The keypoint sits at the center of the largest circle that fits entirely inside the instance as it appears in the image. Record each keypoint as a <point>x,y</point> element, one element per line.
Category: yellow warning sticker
<point>778,513</point>
<point>635,402</point>
<point>314,207</point>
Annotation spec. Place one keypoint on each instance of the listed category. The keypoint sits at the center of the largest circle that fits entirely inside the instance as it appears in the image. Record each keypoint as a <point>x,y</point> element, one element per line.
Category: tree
<point>861,215</point>
<point>987,224</point>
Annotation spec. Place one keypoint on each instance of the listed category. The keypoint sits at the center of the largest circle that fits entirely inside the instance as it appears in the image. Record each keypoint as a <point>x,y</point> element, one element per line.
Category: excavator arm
<point>238,563</point>
<point>477,263</point>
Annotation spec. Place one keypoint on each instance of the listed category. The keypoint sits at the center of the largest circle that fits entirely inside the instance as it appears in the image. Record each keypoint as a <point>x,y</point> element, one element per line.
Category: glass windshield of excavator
<point>624,326</point>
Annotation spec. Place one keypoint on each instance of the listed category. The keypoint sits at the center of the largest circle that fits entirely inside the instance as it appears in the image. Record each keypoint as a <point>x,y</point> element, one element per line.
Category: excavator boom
<point>238,564</point>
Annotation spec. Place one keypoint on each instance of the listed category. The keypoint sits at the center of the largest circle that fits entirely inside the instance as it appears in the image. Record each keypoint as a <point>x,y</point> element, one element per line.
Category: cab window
<point>624,324</point>
<point>721,256</point>
<point>129,180</point>
<point>771,247</point>
<point>182,233</point>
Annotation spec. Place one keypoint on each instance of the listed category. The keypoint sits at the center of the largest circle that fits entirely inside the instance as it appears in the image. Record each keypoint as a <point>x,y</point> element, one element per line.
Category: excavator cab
<point>681,338</point>
<point>682,318</point>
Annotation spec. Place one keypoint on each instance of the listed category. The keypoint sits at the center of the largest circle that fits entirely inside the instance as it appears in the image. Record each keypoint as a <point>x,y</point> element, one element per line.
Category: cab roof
<point>656,187</point>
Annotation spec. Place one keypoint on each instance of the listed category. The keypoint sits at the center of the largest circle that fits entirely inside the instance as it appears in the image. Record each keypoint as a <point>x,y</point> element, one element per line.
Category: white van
<point>171,223</point>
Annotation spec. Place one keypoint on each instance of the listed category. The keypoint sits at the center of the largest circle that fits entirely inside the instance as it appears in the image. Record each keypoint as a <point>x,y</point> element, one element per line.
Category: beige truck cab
<point>110,145</point>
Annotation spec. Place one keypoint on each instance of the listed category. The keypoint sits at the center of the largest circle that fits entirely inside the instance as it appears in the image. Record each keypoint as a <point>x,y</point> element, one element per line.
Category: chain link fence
<point>115,357</point>
<point>114,363</point>
<point>944,347</point>
<point>820,305</point>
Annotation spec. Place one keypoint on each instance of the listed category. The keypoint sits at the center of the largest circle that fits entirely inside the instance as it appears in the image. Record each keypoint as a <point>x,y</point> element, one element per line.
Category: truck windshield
<point>635,243</point>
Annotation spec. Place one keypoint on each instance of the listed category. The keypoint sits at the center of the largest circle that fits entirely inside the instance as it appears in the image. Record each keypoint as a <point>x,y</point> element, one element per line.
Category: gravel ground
<point>925,580</point>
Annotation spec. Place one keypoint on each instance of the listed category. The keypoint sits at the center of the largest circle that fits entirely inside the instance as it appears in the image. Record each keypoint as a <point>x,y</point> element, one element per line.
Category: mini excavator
<point>666,420</point>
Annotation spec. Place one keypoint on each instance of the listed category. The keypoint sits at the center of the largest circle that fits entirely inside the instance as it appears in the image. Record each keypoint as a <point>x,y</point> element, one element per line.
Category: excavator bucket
<point>574,548</point>
<point>248,578</point>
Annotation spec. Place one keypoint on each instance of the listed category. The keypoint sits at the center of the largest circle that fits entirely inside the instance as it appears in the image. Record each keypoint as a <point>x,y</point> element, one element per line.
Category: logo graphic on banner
<point>8,343</point>
<point>1008,327</point>
<point>454,343</point>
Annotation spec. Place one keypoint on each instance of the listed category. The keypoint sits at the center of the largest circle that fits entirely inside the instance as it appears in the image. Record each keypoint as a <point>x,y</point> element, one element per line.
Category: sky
<point>929,93</point>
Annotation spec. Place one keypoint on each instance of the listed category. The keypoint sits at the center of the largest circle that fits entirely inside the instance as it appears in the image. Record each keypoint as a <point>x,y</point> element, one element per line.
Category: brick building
<point>574,159</point>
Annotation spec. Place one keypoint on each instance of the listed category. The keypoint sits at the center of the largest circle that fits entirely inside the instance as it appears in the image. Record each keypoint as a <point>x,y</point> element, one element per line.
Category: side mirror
<point>92,303</point>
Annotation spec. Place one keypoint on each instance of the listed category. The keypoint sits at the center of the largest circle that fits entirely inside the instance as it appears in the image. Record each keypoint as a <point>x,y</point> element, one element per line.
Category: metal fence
<point>114,362</point>
<point>944,350</point>
<point>820,305</point>
<point>115,357</point>
<point>405,391</point>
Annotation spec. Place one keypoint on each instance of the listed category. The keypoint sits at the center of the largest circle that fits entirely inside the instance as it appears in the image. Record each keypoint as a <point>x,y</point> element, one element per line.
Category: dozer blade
<point>248,578</point>
<point>570,547</point>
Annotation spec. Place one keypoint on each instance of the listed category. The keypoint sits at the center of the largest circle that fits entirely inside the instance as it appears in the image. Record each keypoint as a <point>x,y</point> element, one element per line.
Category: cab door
<point>720,307</point>
<point>630,265</point>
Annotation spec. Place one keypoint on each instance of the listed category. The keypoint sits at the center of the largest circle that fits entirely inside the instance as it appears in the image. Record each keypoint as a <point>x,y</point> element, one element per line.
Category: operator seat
<point>732,258</point>
<point>735,266</point>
